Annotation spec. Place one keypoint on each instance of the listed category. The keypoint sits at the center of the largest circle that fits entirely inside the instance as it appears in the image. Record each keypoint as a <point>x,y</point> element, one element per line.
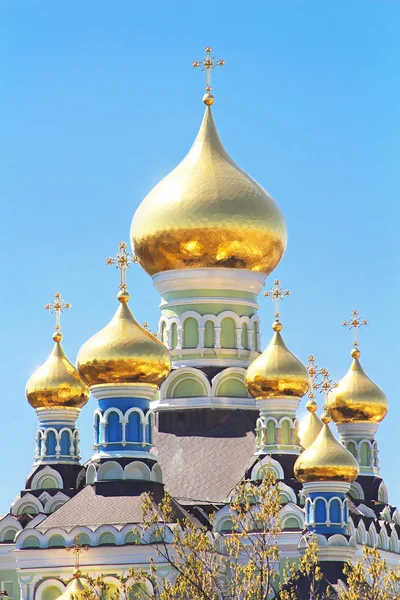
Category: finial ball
<point>208,99</point>
<point>355,353</point>
<point>311,406</point>
<point>77,573</point>
<point>57,336</point>
<point>277,326</point>
<point>326,417</point>
<point>123,296</point>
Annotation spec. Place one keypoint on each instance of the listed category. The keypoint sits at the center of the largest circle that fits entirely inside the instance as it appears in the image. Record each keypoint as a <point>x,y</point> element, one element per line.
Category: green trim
<point>209,309</point>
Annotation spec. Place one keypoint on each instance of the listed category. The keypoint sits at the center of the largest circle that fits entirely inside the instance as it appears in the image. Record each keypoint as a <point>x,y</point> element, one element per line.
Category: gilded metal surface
<point>56,384</point>
<point>277,372</point>
<point>57,306</point>
<point>208,213</point>
<point>309,428</point>
<point>208,64</point>
<point>326,460</point>
<point>123,352</point>
<point>276,294</point>
<point>357,398</point>
<point>74,589</point>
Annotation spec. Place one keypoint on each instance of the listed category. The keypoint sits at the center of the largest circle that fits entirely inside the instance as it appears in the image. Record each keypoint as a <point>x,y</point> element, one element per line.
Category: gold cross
<point>57,306</point>
<point>354,323</point>
<point>208,64</point>
<point>326,386</point>
<point>122,261</point>
<point>313,372</point>
<point>277,293</point>
<point>77,549</point>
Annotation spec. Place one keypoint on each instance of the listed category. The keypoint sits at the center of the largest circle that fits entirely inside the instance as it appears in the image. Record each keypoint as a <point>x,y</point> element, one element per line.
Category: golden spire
<point>311,425</point>
<point>77,549</point>
<point>208,64</point>
<point>123,352</point>
<point>354,323</point>
<point>122,260</point>
<point>277,372</point>
<point>357,398</point>
<point>56,384</point>
<point>57,306</point>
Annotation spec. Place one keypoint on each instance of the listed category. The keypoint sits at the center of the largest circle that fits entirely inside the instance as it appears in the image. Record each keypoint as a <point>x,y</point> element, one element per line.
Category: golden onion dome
<point>208,213</point>
<point>326,459</point>
<point>56,384</point>
<point>357,398</point>
<point>310,426</point>
<point>74,588</point>
<point>277,372</point>
<point>123,352</point>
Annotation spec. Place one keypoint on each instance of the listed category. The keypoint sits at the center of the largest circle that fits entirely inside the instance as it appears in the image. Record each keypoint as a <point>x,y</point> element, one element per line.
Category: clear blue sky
<point>99,101</point>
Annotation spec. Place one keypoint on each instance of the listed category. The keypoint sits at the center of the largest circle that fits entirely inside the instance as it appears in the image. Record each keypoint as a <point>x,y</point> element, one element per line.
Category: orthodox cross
<point>122,261</point>
<point>354,323</point>
<point>276,294</point>
<point>77,550</point>
<point>326,385</point>
<point>208,64</point>
<point>313,372</point>
<point>57,306</point>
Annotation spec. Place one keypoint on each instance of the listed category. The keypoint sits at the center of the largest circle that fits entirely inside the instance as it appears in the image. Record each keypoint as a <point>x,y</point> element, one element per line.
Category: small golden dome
<point>310,426</point>
<point>123,352</point>
<point>277,372</point>
<point>326,460</point>
<point>208,213</point>
<point>56,384</point>
<point>357,398</point>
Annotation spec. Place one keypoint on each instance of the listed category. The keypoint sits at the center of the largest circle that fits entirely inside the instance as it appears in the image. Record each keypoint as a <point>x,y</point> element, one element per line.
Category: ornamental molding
<point>213,300</point>
<point>348,431</point>
<point>108,391</point>
<point>215,278</point>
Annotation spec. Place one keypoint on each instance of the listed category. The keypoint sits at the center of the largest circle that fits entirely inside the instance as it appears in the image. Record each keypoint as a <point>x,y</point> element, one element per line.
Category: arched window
<point>51,443</point>
<point>174,336</point>
<point>31,542</point>
<point>190,333</point>
<point>351,447</point>
<point>255,335</point>
<point>65,443</point>
<point>271,432</point>
<point>188,388</point>
<point>228,333</point>
<point>131,538</point>
<point>48,483</point>
<point>335,512</point>
<point>164,333</point>
<point>232,387</point>
<point>365,454</point>
<point>84,539</point>
<point>133,432</point>
<point>9,535</point>
<point>245,336</point>
<point>285,432</point>
<point>291,523</point>
<point>320,511</point>
<point>107,539</point>
<point>28,509</point>
<point>209,335</point>
<point>56,541</point>
<point>113,428</point>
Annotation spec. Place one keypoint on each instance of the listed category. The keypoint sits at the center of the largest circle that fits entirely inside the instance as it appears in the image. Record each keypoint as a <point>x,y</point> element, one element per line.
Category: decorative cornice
<point>213,300</point>
<point>122,390</point>
<point>57,415</point>
<point>204,402</point>
<point>349,431</point>
<point>216,278</point>
<point>339,487</point>
<point>282,406</point>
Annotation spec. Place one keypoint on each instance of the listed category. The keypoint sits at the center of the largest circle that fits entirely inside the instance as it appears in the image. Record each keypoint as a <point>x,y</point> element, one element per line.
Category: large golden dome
<point>208,213</point>
<point>326,460</point>
<point>277,372</point>
<point>357,398</point>
<point>56,384</point>
<point>123,352</point>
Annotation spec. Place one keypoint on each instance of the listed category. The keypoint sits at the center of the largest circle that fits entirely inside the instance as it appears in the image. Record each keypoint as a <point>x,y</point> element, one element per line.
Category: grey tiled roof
<point>207,465</point>
<point>91,510</point>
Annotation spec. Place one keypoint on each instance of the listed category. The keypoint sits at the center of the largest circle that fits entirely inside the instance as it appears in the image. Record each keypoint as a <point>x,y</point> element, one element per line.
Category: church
<point>199,406</point>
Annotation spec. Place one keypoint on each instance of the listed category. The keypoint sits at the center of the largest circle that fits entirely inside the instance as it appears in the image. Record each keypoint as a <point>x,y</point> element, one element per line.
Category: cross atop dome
<point>208,64</point>
<point>354,323</point>
<point>122,260</point>
<point>57,306</point>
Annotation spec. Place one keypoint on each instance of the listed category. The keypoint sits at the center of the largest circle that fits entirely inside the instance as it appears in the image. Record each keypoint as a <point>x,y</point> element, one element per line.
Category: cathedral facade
<point>198,407</point>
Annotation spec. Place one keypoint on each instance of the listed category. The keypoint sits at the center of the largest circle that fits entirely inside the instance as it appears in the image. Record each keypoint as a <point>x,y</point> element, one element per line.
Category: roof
<point>92,510</point>
<point>203,461</point>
